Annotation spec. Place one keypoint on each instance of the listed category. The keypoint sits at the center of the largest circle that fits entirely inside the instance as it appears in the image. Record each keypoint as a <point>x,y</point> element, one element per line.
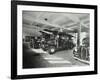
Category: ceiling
<point>36,20</point>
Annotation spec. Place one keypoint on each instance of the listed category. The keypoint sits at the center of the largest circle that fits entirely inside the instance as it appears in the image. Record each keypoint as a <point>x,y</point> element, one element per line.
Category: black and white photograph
<point>53,39</point>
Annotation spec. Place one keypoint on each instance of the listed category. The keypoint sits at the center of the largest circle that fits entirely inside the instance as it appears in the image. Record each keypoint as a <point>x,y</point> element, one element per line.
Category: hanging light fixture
<point>45,19</point>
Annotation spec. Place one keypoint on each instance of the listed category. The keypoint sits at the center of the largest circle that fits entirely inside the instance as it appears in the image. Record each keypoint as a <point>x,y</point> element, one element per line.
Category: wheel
<point>52,50</point>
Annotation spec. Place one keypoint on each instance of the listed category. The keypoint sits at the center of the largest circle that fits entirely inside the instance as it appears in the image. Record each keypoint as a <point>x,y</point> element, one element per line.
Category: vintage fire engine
<point>53,41</point>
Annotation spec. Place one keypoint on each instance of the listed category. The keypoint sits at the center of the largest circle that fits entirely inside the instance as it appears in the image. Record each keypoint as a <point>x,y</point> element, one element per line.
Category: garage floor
<point>37,58</point>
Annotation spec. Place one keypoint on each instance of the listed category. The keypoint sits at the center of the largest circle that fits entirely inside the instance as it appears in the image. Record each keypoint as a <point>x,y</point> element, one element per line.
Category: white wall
<point>5,29</point>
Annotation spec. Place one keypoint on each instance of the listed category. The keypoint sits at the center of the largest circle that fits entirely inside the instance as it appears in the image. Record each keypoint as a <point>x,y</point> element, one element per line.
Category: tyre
<point>52,50</point>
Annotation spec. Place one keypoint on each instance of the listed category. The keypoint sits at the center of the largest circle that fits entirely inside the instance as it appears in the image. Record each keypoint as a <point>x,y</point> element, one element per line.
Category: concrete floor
<point>36,58</point>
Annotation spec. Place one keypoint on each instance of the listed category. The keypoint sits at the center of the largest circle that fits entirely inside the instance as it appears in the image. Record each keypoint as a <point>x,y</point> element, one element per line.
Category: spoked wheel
<point>52,50</point>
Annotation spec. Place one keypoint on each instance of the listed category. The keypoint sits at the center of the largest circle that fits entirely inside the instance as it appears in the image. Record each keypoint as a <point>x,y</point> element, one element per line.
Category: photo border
<point>14,38</point>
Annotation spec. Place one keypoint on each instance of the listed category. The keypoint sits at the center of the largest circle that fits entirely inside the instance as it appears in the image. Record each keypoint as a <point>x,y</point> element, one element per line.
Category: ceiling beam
<point>76,19</point>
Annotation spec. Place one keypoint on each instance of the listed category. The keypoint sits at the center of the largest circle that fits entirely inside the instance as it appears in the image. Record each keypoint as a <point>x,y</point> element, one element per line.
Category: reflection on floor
<point>37,58</point>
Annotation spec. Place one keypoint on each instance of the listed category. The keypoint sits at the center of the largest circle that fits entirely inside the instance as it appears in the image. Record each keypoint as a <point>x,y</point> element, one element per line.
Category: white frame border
<point>21,71</point>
